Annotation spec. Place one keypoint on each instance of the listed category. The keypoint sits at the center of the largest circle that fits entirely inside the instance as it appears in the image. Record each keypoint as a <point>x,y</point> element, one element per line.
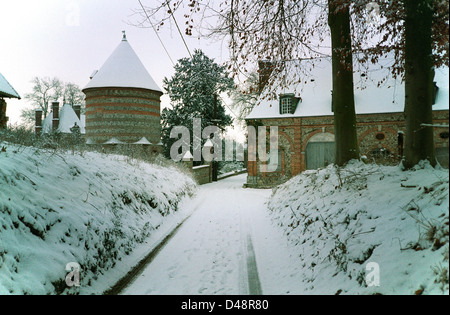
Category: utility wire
<point>223,101</point>
<point>179,31</point>
<point>185,44</point>
<point>156,32</point>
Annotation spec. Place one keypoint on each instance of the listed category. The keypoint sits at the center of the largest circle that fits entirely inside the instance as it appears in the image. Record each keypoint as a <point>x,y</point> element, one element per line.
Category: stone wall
<point>202,174</point>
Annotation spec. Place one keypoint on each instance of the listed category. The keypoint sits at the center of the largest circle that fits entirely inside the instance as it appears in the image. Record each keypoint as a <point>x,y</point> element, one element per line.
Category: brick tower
<point>122,100</point>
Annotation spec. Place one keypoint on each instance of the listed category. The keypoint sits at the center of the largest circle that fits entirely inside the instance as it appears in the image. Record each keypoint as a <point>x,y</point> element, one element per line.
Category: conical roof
<point>123,69</point>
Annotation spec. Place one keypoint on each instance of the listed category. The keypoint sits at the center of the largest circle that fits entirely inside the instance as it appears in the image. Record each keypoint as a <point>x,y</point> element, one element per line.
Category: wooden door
<point>319,154</point>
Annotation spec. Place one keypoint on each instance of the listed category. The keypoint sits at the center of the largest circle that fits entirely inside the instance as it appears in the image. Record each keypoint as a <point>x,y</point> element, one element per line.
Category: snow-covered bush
<point>92,209</point>
<point>342,219</point>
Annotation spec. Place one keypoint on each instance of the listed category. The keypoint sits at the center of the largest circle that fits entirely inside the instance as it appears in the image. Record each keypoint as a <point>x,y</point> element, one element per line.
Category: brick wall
<point>374,131</point>
<point>127,114</point>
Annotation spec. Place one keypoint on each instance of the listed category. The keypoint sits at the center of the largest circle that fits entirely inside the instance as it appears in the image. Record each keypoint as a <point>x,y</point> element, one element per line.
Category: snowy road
<point>227,246</point>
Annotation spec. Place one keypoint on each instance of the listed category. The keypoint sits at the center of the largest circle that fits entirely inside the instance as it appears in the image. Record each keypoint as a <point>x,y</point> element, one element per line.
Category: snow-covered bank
<point>367,229</point>
<point>93,209</point>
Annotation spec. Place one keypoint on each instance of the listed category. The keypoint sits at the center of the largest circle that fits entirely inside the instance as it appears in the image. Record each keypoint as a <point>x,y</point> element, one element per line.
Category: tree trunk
<point>343,101</point>
<point>419,77</point>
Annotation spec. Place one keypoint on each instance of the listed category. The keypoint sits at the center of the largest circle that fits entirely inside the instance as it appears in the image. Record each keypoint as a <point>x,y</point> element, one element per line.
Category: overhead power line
<point>184,41</point>
<point>179,31</point>
<point>156,32</point>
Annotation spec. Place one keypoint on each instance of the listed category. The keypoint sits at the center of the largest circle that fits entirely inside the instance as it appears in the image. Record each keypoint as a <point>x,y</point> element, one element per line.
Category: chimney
<point>265,70</point>
<point>77,109</point>
<point>55,109</point>
<point>38,120</point>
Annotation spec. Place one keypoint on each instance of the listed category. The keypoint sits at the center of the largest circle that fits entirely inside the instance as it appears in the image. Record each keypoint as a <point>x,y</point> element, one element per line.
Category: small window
<point>380,136</point>
<point>286,105</point>
<point>289,103</point>
<point>444,135</point>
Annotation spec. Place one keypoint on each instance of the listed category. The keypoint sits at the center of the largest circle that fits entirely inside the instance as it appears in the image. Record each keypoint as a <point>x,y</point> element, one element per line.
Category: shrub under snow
<point>340,220</point>
<point>92,209</point>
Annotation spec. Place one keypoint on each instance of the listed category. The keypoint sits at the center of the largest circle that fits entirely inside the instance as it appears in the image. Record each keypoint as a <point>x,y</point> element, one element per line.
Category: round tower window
<point>380,136</point>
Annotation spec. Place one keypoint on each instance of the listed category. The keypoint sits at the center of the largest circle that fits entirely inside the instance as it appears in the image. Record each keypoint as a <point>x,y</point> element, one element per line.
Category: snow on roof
<point>315,90</point>
<point>67,119</point>
<point>90,141</point>
<point>6,89</point>
<point>143,141</point>
<point>123,69</point>
<point>114,141</point>
<point>187,156</point>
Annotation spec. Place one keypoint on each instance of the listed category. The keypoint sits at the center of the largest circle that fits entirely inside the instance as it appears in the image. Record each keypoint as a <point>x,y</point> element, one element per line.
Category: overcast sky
<point>69,39</point>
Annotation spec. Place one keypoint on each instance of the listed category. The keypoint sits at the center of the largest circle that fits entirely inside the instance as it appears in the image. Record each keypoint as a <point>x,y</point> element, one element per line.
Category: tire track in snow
<point>213,252</point>
<point>250,283</point>
<point>254,285</point>
<point>125,281</point>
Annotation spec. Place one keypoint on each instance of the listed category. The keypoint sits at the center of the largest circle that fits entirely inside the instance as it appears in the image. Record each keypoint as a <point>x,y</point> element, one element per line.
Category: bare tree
<point>44,91</point>
<point>73,94</point>
<point>279,30</point>
<point>282,30</point>
<point>47,90</point>
<point>245,96</point>
<point>28,117</point>
<point>416,33</point>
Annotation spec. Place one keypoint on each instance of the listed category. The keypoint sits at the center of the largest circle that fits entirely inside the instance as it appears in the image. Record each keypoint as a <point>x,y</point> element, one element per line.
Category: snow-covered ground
<point>362,229</point>
<point>205,256</point>
<point>367,229</point>
<point>226,242</point>
<point>102,212</point>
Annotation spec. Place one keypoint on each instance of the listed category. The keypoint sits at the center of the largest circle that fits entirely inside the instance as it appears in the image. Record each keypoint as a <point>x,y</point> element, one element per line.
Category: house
<point>122,100</point>
<point>6,91</point>
<point>301,109</point>
<point>65,120</point>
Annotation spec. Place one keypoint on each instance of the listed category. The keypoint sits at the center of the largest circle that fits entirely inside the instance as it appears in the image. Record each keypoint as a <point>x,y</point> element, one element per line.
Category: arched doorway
<point>320,151</point>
